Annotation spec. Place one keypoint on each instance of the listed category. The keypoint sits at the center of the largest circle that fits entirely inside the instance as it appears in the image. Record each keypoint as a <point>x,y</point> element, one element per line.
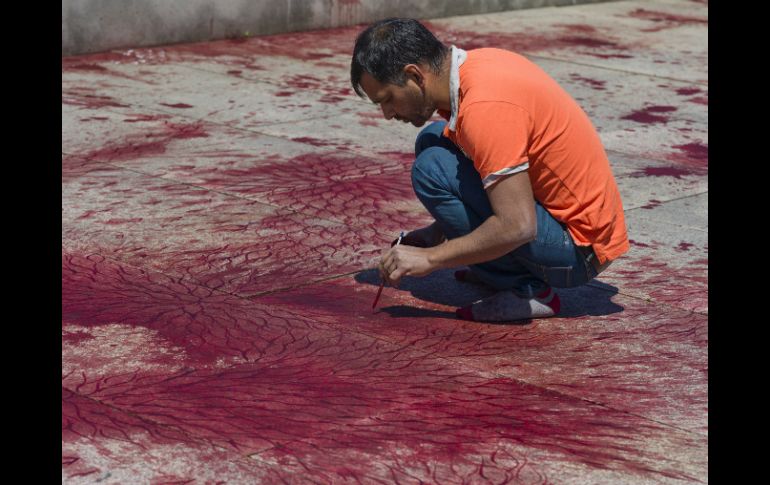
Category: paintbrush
<point>379,292</point>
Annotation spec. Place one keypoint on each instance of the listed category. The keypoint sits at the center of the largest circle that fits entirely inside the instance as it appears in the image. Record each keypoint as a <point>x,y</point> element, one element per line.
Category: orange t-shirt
<point>511,112</point>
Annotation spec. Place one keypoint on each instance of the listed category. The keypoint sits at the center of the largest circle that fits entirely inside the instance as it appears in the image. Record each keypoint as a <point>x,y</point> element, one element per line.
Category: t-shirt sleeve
<point>496,136</point>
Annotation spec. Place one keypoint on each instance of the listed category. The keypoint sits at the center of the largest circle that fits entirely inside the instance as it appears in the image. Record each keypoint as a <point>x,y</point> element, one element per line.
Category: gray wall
<point>100,25</point>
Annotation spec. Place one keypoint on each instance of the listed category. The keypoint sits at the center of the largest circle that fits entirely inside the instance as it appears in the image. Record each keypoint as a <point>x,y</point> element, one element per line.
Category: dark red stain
<point>641,245</point>
<point>330,88</point>
<point>123,221</point>
<point>145,118</point>
<point>665,20</point>
<point>687,91</point>
<point>648,116</point>
<point>568,36</point>
<point>86,67</point>
<point>313,141</point>
<point>76,337</point>
<point>653,204</point>
<point>283,94</point>
<point>684,246</point>
<point>675,172</point>
<point>95,118</point>
<point>90,101</point>
<point>699,100</point>
<point>697,152</point>
<point>610,56</point>
<point>177,105</point>
<point>234,72</point>
<point>593,83</point>
<point>152,143</point>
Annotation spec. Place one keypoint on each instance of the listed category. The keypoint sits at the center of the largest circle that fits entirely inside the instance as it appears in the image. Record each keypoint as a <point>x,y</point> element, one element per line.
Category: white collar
<point>457,58</point>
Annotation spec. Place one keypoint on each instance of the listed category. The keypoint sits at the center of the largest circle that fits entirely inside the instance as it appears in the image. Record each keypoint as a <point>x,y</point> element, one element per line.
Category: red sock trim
<point>545,293</point>
<point>465,313</point>
<point>555,304</point>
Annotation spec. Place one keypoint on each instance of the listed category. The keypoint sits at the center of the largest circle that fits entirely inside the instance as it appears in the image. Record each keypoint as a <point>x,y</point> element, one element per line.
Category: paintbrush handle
<point>382,285</point>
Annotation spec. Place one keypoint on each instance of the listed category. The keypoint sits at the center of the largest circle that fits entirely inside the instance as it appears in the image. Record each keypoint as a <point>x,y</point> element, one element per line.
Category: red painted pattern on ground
<point>152,143</point>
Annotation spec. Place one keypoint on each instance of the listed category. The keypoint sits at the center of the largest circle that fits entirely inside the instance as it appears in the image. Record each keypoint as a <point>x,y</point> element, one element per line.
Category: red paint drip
<point>646,115</point>
<point>177,105</point>
<point>593,83</point>
<point>641,245</point>
<point>687,91</point>
<point>86,67</point>
<point>313,141</point>
<point>695,151</point>
<point>675,172</point>
<point>653,204</point>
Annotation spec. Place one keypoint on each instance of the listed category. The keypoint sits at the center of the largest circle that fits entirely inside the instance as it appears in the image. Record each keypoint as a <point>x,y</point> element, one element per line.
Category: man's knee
<point>429,136</point>
<point>428,170</point>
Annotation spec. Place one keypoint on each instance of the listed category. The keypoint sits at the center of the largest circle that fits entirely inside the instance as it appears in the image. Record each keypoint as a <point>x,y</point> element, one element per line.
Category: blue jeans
<point>450,188</point>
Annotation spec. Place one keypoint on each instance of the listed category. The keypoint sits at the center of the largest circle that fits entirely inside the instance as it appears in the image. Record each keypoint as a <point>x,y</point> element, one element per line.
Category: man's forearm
<point>492,239</point>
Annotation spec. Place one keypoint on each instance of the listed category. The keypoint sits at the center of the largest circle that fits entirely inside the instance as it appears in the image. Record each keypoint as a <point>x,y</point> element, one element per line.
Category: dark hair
<point>385,47</point>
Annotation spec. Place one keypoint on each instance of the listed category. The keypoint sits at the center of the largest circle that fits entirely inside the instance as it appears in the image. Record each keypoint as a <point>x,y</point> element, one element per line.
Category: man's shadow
<point>593,299</point>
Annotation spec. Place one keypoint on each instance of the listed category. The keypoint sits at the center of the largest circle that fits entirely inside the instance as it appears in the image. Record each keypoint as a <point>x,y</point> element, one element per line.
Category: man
<point>517,181</point>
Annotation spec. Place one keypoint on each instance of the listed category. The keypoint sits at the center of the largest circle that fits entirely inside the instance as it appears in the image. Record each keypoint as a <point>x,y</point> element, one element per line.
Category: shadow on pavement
<point>594,299</point>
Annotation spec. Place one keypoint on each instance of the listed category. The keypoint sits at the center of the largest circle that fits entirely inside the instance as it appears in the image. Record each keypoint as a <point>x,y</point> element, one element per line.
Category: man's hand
<point>402,261</point>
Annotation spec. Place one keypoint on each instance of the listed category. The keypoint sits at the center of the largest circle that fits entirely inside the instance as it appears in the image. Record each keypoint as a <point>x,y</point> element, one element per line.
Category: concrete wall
<point>100,25</point>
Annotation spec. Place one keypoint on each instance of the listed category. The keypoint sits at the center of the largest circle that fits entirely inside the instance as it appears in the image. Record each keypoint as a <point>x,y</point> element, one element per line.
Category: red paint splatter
<point>234,72</point>
<point>641,245</point>
<point>90,101</point>
<point>687,91</point>
<point>675,172</point>
<point>684,246</point>
<point>666,20</point>
<point>593,83</point>
<point>695,151</point>
<point>137,146</point>
<point>313,141</point>
<point>530,41</point>
<point>142,118</point>
<point>177,105</point>
<point>86,67</point>
<point>647,115</point>
<point>653,204</point>
<point>699,100</point>
<point>123,221</point>
<point>283,94</point>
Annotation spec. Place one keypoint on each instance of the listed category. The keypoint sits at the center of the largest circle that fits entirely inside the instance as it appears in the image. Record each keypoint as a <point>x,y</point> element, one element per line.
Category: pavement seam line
<point>635,73</point>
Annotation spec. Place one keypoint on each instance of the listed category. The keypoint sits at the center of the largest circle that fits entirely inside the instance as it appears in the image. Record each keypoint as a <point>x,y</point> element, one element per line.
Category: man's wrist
<point>434,258</point>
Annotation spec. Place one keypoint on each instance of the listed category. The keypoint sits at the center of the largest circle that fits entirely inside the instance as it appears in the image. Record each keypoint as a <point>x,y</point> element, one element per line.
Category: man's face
<point>406,103</point>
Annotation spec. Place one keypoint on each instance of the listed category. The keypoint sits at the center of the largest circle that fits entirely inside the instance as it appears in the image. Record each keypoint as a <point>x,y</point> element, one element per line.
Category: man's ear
<point>415,73</point>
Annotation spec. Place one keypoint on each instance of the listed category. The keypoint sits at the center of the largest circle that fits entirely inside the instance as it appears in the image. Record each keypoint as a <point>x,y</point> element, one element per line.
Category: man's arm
<point>513,223</point>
